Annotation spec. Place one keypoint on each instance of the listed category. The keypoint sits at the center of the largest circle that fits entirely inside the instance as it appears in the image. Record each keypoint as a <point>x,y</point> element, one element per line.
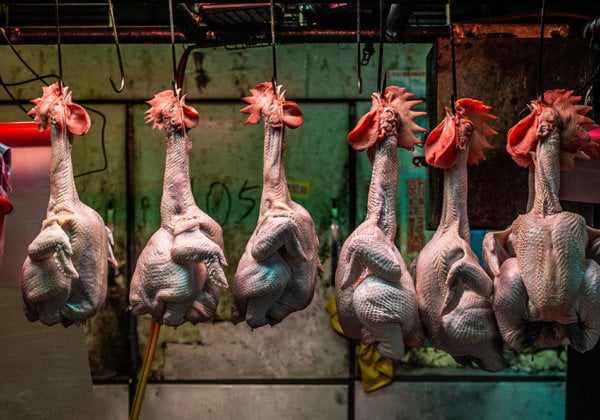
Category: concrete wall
<point>301,368</point>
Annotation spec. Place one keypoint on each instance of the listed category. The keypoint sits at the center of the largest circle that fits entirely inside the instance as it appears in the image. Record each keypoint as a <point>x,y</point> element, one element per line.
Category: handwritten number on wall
<point>245,188</point>
<point>219,201</point>
<point>217,197</point>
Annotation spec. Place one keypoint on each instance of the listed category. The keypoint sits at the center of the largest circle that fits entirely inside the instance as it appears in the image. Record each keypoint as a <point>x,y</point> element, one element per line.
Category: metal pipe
<point>133,362</point>
<point>81,35</point>
<point>210,38</point>
<point>311,35</point>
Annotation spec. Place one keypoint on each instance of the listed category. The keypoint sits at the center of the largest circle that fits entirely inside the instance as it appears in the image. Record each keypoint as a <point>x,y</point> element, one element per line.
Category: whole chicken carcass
<point>65,273</point>
<point>453,290</point>
<point>547,277</point>
<point>178,276</point>
<point>375,294</point>
<point>277,273</point>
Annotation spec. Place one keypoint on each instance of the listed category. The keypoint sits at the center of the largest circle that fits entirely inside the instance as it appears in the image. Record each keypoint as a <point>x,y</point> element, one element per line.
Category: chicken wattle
<point>178,276</point>
<point>65,273</point>
<point>375,294</point>
<point>277,273</point>
<point>547,277</point>
<point>453,290</point>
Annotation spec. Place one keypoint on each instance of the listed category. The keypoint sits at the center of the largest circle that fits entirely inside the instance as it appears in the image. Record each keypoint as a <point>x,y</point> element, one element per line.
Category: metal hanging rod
<point>153,35</point>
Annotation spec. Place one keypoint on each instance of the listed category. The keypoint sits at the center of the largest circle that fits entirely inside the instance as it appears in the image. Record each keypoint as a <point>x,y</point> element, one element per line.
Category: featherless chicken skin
<point>375,294</point>
<point>453,289</point>
<point>545,265</point>
<point>277,273</point>
<point>65,273</point>
<point>178,276</point>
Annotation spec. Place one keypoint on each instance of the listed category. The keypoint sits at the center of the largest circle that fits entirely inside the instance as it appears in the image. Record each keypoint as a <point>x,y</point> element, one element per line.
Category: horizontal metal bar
<point>344,381</point>
<point>203,37</point>
<point>208,38</point>
<point>92,35</point>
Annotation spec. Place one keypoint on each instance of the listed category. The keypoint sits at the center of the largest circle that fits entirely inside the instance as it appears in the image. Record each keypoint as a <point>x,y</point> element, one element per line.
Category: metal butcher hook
<point>111,14</point>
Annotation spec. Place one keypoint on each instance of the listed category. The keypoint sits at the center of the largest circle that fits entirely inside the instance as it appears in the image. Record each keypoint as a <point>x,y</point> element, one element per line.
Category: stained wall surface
<point>300,368</point>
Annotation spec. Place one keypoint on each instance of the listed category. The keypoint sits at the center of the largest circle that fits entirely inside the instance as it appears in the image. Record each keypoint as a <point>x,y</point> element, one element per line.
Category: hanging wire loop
<point>58,49</point>
<point>539,86</point>
<point>453,97</point>
<point>273,52</point>
<point>172,28</point>
<point>111,14</point>
<point>380,87</point>
<point>358,54</point>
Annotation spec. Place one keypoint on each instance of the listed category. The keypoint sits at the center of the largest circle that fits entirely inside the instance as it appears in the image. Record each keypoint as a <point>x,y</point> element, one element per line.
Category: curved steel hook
<point>114,26</point>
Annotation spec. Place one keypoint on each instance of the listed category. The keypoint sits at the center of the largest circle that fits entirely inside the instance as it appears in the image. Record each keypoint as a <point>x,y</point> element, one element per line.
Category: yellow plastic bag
<point>376,371</point>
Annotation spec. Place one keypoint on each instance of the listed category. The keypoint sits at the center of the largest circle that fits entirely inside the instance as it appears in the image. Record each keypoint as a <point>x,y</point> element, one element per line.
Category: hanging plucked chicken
<point>178,275</point>
<point>375,294</point>
<point>277,273</point>
<point>65,272</point>
<point>453,290</point>
<point>547,277</point>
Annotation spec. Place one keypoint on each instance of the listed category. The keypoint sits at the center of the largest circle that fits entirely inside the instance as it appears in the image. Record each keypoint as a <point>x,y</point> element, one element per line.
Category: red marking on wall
<point>415,237</point>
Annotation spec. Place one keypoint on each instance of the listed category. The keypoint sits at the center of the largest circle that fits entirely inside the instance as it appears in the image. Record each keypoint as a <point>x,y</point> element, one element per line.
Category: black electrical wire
<point>173,59</point>
<point>454,94</point>
<point>58,48</point>
<point>102,145</point>
<point>33,79</point>
<point>9,93</point>
<point>380,84</point>
<point>358,55</point>
<point>541,54</point>
<point>274,55</point>
<point>42,78</point>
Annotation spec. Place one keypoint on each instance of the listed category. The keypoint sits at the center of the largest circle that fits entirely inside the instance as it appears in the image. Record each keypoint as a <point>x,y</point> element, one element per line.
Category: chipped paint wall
<point>300,368</point>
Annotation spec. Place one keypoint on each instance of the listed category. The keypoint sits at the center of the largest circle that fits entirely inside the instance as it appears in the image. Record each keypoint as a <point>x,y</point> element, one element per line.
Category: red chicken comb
<point>477,112</point>
<point>167,109</point>
<point>56,106</point>
<point>441,146</point>
<point>573,128</point>
<point>368,131</point>
<point>261,103</point>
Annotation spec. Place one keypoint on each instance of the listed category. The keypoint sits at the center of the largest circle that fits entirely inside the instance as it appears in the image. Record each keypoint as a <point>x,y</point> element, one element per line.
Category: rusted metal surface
<point>503,74</point>
<point>487,30</point>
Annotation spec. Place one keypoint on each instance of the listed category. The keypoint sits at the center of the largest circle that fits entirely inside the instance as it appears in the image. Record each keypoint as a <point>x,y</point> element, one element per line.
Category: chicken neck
<point>381,201</point>
<point>177,197</point>
<point>274,181</point>
<point>454,204</point>
<point>63,194</point>
<point>547,176</point>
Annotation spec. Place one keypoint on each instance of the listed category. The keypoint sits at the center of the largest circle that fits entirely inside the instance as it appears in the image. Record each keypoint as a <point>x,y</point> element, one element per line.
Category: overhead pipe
<point>311,35</point>
<point>211,38</point>
<point>90,35</point>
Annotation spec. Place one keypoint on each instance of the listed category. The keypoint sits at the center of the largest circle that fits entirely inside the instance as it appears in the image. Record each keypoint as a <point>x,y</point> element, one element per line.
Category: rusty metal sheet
<point>503,74</point>
<point>583,183</point>
<point>509,30</point>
